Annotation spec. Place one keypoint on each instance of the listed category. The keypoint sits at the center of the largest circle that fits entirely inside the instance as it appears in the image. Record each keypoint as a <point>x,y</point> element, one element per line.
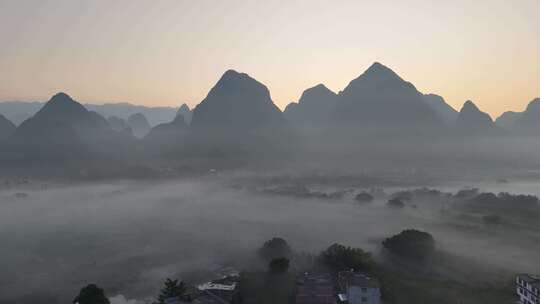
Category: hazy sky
<point>166,52</point>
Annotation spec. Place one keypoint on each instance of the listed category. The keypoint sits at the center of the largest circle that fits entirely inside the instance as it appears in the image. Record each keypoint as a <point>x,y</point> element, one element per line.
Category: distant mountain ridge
<point>238,117</point>
<point>19,111</point>
<point>63,129</point>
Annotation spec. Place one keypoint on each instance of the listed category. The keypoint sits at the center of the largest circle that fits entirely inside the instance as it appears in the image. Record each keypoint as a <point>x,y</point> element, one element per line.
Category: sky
<point>167,52</point>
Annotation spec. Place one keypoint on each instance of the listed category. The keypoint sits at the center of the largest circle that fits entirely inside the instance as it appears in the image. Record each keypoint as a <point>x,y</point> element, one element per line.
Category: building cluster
<point>219,291</point>
<point>348,287</point>
<point>528,288</point>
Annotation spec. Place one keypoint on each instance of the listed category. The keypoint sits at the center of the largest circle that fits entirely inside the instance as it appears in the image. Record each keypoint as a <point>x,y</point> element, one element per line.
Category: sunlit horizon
<point>168,53</point>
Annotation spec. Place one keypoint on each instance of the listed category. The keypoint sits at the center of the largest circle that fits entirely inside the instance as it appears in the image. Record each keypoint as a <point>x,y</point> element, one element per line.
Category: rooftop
<point>349,278</point>
<point>532,279</point>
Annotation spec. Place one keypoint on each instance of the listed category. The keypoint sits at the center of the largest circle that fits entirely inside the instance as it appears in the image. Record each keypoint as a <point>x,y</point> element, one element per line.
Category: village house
<point>315,289</point>
<point>357,288</point>
<point>528,288</point>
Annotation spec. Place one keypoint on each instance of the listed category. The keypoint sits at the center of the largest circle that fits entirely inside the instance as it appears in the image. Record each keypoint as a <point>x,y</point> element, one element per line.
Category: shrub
<point>338,257</point>
<point>275,248</point>
<point>395,202</point>
<point>364,197</point>
<point>411,244</point>
<point>91,294</point>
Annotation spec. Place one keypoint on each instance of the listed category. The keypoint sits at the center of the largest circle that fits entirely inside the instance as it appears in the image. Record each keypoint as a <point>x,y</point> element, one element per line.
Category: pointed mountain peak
<point>233,80</point>
<point>61,104</point>
<point>320,86</point>
<point>469,106</point>
<point>237,100</point>
<point>471,120</point>
<point>233,75</point>
<point>61,98</point>
<point>318,94</point>
<point>184,108</point>
<point>380,71</point>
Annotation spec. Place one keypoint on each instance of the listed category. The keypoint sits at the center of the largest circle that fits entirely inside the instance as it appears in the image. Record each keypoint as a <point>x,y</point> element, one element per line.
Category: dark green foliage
<point>279,265</point>
<point>364,197</point>
<point>466,193</point>
<point>91,294</point>
<point>265,288</point>
<point>402,195</point>
<point>275,248</point>
<point>171,289</point>
<point>396,203</point>
<point>507,200</point>
<point>411,244</point>
<point>338,257</point>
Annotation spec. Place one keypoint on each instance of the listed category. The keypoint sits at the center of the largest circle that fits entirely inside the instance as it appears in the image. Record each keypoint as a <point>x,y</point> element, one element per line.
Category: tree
<point>91,294</point>
<point>396,203</point>
<point>411,244</point>
<point>171,289</point>
<point>364,197</point>
<point>279,265</point>
<point>338,258</point>
<point>275,248</point>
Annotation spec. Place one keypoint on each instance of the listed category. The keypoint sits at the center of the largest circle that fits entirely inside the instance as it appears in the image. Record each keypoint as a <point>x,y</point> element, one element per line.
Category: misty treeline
<point>270,276</point>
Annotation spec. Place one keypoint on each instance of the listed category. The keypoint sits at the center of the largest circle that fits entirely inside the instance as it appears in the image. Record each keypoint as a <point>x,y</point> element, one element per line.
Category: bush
<point>275,248</point>
<point>171,289</point>
<point>338,258</point>
<point>364,197</point>
<point>395,202</point>
<point>91,294</point>
<point>402,195</point>
<point>279,265</point>
<point>411,244</point>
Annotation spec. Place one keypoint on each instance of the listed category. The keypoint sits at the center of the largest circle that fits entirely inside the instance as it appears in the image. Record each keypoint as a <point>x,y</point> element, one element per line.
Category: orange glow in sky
<point>167,52</point>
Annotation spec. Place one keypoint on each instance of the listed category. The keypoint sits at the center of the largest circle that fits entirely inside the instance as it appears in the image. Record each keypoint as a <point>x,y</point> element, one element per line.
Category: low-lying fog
<point>128,236</point>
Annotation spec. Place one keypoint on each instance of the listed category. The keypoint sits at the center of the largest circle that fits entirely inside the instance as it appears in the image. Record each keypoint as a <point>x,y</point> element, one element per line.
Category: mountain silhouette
<point>239,102</point>
<point>472,121</point>
<point>62,129</point>
<point>315,106</point>
<point>167,137</point>
<point>445,112</point>
<point>528,123</point>
<point>238,119</point>
<point>508,119</point>
<point>139,125</point>
<point>6,128</point>
<point>186,112</point>
<point>19,111</point>
<point>380,99</point>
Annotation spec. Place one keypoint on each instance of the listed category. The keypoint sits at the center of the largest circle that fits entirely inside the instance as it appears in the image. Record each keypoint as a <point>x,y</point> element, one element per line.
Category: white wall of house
<point>363,295</point>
